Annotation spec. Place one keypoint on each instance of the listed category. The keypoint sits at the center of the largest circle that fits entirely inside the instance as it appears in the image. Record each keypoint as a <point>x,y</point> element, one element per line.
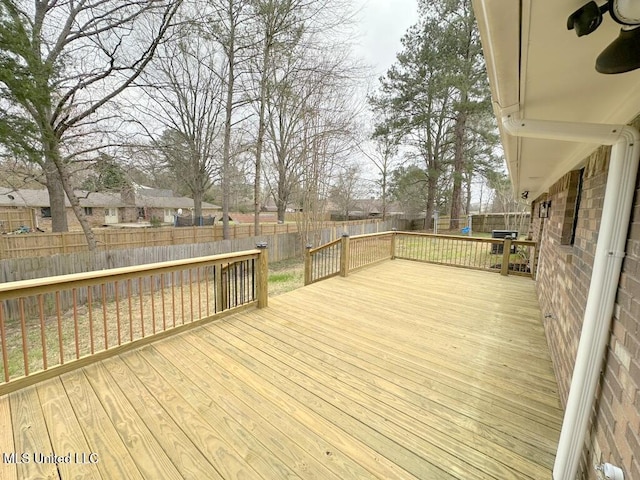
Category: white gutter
<point>612,237</point>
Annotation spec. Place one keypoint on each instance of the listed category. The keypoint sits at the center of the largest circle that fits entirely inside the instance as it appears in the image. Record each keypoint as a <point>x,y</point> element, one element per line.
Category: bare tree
<point>327,142</point>
<point>184,87</point>
<point>59,90</point>
<point>281,25</point>
<point>346,189</point>
<point>310,100</point>
<point>227,22</point>
<point>384,158</point>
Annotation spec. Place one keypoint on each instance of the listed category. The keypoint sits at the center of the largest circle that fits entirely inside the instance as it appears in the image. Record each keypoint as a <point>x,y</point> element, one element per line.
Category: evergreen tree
<point>435,99</point>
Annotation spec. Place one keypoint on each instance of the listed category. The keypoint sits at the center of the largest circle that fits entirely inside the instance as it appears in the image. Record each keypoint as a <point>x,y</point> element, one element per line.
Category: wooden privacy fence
<point>13,218</point>
<point>283,246</point>
<point>45,244</point>
<point>506,256</point>
<point>52,325</point>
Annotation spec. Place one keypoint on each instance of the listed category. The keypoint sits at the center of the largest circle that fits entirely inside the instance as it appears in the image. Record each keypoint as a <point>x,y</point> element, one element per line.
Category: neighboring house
<point>584,215</point>
<point>365,208</point>
<point>100,208</point>
<point>139,204</point>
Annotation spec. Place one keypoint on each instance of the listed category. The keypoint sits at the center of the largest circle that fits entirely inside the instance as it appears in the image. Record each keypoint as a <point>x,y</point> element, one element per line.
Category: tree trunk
<point>261,131</point>
<point>458,167</point>
<point>226,149</point>
<point>282,195</point>
<point>282,210</point>
<point>384,195</point>
<point>52,155</point>
<point>197,206</point>
<point>468,180</point>
<point>432,185</point>
<point>57,199</point>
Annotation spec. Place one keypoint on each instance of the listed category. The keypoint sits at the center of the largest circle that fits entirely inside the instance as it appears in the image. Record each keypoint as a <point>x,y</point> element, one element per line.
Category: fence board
<point>12,219</point>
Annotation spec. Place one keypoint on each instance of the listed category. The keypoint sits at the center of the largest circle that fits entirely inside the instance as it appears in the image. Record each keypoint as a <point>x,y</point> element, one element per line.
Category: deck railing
<point>323,262</point>
<point>506,256</point>
<point>55,324</point>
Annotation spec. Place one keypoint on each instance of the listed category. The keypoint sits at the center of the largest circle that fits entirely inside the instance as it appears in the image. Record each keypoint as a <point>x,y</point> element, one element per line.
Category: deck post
<point>533,263</point>
<point>393,243</point>
<point>308,265</point>
<point>263,276</point>
<point>219,285</point>
<point>506,256</point>
<point>344,255</point>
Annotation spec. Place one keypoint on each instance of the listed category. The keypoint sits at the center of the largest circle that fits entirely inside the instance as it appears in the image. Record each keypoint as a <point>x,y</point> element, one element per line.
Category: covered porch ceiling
<point>543,71</point>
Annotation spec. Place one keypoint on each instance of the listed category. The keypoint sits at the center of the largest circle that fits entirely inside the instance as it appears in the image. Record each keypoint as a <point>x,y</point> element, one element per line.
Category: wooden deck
<point>401,370</point>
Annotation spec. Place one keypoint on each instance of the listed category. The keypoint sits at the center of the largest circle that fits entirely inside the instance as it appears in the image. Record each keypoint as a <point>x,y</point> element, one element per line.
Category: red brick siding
<point>95,220</point>
<point>563,281</point>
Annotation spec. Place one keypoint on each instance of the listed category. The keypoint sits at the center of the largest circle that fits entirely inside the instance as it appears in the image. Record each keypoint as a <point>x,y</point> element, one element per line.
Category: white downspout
<point>612,236</point>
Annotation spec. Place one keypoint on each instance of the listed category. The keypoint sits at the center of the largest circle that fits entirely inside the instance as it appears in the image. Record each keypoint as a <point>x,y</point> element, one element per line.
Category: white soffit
<point>547,72</point>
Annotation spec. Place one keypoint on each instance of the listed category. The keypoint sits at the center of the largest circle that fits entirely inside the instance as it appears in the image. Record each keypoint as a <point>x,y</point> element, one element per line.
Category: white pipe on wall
<point>607,264</point>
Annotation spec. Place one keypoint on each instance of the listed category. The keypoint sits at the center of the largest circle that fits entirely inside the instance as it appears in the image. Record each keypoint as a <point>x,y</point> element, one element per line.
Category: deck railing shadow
<point>505,256</point>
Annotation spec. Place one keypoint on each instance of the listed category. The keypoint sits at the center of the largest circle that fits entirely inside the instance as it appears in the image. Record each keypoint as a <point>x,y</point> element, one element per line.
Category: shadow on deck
<point>401,370</point>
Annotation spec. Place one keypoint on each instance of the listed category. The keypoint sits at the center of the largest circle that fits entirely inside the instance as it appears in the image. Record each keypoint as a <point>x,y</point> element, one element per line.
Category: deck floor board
<point>402,370</point>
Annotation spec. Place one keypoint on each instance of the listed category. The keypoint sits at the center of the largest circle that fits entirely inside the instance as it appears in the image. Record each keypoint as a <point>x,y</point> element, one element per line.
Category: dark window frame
<point>576,209</point>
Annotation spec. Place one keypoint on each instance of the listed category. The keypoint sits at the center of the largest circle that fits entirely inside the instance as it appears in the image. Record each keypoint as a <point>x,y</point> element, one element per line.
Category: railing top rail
<point>323,247</point>
<point>526,243</point>
<point>456,237</point>
<point>370,235</point>
<point>42,285</point>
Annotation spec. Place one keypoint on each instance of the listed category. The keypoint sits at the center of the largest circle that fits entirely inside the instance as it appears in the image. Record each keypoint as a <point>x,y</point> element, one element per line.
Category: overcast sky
<point>383,24</point>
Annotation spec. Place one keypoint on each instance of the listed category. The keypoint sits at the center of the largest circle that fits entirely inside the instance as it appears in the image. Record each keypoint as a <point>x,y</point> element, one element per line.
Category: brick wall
<point>96,219</point>
<point>563,281</point>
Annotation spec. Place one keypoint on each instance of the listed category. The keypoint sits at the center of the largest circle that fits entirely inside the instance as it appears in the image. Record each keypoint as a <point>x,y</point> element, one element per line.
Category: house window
<point>45,212</point>
<point>573,189</point>
<point>576,209</point>
<point>88,211</point>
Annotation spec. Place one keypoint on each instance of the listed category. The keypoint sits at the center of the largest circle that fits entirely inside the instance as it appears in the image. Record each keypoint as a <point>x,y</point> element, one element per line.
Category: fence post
<point>263,276</point>
<point>308,265</point>
<point>506,255</point>
<point>344,255</point>
<point>393,243</point>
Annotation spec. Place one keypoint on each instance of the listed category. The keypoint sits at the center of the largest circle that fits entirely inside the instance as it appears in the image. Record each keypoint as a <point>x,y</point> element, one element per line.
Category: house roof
<point>40,198</point>
<point>543,71</point>
<point>143,200</point>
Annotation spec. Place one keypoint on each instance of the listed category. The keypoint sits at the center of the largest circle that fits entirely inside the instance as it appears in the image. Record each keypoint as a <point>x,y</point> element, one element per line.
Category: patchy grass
<point>285,276</point>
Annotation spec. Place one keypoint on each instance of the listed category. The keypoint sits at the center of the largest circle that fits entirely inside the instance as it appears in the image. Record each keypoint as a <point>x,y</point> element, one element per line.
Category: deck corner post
<point>263,276</point>
<point>393,243</point>
<point>308,264</point>
<point>344,255</point>
<point>506,256</point>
